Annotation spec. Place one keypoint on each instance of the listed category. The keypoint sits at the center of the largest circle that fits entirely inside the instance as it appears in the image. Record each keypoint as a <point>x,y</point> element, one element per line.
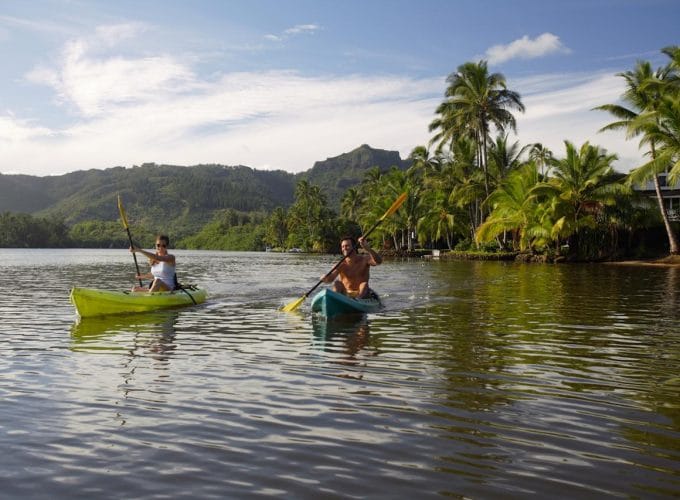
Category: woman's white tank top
<point>165,272</point>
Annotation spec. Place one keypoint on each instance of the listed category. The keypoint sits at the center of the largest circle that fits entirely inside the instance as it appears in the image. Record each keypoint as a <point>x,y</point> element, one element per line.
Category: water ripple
<point>476,380</point>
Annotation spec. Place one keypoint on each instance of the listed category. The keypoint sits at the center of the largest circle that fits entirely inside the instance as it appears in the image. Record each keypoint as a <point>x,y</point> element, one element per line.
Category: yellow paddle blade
<point>123,217</point>
<point>395,206</point>
<point>293,305</point>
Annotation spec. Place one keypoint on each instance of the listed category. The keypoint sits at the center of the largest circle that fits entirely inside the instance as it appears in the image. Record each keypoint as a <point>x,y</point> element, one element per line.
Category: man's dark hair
<point>351,238</point>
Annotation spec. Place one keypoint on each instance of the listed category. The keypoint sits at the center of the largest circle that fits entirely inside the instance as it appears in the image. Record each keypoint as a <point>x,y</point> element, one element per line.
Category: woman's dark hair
<point>163,238</point>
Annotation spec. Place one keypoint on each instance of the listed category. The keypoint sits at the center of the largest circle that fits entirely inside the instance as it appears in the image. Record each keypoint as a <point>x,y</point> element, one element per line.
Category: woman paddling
<point>162,267</point>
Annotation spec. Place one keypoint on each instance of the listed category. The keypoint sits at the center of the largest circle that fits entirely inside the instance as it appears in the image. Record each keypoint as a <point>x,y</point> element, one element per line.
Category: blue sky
<point>282,84</point>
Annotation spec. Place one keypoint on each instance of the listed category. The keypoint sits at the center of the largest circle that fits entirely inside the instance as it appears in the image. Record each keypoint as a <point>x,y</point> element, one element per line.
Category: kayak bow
<point>329,303</point>
<point>90,302</point>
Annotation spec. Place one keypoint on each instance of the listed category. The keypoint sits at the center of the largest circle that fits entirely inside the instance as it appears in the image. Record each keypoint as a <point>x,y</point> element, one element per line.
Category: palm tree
<point>661,127</point>
<point>371,180</point>
<point>397,182</point>
<point>585,182</point>
<point>308,216</point>
<point>475,100</point>
<point>513,208</point>
<point>642,96</point>
<point>276,230</point>
<point>351,204</point>
<point>424,161</point>
<point>541,156</point>
<point>441,219</point>
<point>673,52</point>
<point>466,185</point>
<point>504,157</point>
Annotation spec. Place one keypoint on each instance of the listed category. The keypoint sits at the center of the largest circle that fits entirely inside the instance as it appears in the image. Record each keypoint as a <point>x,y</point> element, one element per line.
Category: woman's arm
<point>152,256</point>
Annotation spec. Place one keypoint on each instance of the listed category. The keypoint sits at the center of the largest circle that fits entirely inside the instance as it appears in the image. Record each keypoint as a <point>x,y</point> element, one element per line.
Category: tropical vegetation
<point>470,188</point>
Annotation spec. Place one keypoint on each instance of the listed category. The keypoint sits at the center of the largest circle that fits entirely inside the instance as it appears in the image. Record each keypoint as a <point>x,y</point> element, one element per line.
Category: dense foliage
<point>475,190</point>
<point>229,229</point>
<point>26,231</point>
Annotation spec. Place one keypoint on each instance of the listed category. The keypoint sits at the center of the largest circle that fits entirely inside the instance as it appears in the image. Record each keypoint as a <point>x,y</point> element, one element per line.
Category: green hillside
<point>155,193</point>
<point>180,199</point>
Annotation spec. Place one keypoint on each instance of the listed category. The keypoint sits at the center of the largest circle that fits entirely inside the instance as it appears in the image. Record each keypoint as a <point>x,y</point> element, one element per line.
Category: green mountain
<point>336,175</point>
<point>181,198</point>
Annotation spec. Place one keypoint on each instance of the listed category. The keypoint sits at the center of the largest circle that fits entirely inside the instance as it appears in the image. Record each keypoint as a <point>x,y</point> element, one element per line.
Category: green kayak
<point>329,303</point>
<point>90,302</point>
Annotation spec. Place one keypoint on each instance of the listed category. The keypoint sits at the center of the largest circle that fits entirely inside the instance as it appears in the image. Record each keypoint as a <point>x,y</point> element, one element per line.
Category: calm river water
<point>478,380</point>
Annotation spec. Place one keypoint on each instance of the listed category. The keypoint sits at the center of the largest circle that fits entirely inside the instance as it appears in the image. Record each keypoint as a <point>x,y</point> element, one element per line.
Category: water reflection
<point>671,291</point>
<point>346,337</point>
<point>151,334</point>
<point>480,380</point>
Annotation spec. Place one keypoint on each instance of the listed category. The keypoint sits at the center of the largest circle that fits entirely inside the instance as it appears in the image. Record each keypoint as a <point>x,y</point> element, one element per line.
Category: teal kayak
<point>329,303</point>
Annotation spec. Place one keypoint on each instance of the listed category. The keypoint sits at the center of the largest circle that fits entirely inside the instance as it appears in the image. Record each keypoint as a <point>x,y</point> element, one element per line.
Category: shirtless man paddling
<point>353,273</point>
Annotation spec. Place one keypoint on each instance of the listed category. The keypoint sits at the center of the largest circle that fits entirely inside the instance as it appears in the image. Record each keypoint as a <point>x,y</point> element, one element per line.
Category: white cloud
<point>90,84</point>
<point>302,28</point>
<point>127,111</point>
<point>13,130</point>
<point>298,29</point>
<point>526,48</point>
<point>111,35</point>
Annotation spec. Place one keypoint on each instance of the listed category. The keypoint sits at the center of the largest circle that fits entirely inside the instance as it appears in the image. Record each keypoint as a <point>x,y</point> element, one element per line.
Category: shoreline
<point>670,261</point>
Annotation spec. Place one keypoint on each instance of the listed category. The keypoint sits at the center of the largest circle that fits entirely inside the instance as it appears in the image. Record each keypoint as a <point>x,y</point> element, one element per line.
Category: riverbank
<point>669,261</point>
<point>456,255</point>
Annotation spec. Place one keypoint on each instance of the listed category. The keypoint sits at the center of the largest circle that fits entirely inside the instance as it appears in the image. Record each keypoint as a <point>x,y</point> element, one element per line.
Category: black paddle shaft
<point>134,255</point>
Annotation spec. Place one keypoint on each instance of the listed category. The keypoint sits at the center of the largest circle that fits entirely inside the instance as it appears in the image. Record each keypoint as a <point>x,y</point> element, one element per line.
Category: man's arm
<point>329,278</point>
<point>375,257</point>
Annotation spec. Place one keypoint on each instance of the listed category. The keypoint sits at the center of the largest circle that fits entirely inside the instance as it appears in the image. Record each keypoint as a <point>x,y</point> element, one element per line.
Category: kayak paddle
<point>123,217</point>
<point>296,303</point>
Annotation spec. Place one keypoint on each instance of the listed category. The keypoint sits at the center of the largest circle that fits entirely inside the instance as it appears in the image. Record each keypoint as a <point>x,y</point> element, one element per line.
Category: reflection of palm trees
<point>670,295</point>
<point>656,375</point>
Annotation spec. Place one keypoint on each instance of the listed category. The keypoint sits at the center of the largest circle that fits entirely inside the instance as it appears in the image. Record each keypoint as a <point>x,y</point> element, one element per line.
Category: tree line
<point>472,188</point>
